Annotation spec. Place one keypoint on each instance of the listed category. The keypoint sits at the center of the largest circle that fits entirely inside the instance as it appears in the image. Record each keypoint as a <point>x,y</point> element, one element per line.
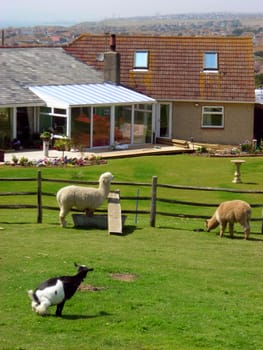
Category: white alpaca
<point>83,198</point>
<point>231,212</point>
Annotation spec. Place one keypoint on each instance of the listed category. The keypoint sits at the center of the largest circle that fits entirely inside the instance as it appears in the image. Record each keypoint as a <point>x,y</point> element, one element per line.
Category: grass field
<point>191,290</point>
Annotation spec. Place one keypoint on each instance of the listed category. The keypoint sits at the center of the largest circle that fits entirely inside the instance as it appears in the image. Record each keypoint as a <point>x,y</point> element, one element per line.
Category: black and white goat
<point>56,290</point>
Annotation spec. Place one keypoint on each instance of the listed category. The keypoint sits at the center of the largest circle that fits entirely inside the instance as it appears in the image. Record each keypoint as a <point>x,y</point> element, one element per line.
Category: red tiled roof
<point>176,65</point>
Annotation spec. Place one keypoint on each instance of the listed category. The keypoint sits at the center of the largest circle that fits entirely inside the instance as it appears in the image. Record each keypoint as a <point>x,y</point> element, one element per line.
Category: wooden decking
<point>105,153</point>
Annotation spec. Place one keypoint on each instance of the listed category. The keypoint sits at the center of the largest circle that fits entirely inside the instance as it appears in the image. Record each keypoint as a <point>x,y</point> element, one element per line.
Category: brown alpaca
<point>231,212</point>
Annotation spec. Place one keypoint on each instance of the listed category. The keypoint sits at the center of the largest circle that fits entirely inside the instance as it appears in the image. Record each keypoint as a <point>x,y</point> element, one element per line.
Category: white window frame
<point>158,130</point>
<point>141,60</point>
<point>54,112</point>
<point>211,61</point>
<point>210,111</point>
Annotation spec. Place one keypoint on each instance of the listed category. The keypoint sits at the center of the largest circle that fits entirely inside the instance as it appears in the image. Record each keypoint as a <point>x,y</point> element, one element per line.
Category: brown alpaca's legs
<point>246,230</point>
<point>222,229</point>
<point>231,230</point>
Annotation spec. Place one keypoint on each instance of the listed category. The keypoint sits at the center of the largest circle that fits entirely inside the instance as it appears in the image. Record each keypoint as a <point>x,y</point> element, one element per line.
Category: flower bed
<point>62,161</point>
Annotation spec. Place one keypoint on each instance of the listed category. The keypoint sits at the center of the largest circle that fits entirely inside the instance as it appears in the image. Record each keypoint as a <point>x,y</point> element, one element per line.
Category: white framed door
<point>164,120</point>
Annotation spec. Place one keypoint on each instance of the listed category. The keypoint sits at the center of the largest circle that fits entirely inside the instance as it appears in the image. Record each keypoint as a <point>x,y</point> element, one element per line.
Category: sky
<point>64,11</point>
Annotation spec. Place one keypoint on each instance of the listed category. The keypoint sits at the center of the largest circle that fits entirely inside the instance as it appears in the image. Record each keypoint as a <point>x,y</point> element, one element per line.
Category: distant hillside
<point>183,25</point>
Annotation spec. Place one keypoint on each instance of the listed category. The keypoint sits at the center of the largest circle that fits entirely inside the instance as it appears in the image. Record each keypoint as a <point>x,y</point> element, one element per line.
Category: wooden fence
<point>153,199</point>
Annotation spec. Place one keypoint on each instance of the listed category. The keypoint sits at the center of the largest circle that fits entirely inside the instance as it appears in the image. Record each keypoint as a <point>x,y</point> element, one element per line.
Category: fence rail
<point>153,199</point>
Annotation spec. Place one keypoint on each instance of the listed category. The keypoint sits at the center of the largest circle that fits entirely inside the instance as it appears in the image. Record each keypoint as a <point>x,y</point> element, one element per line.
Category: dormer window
<point>211,61</point>
<point>141,59</point>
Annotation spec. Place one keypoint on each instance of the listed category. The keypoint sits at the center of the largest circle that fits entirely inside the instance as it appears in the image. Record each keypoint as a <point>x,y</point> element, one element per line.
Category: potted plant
<point>45,136</point>
<point>63,144</point>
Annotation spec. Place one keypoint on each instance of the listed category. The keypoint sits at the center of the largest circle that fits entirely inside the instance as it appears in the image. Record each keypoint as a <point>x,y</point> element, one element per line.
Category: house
<point>45,88</point>
<point>204,86</point>
<point>258,123</point>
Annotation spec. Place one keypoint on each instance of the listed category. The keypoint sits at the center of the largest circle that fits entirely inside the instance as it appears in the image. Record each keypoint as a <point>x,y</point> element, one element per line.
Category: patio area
<point>104,153</point>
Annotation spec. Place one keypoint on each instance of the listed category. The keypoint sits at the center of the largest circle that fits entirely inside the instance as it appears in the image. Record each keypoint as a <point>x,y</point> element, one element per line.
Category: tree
<point>259,80</point>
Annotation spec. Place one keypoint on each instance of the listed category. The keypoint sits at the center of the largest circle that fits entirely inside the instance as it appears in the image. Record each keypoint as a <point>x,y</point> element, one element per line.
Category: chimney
<point>113,42</point>
<point>112,63</point>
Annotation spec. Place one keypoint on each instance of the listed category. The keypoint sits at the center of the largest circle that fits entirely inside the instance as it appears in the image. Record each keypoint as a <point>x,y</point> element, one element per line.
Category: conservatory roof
<point>64,96</point>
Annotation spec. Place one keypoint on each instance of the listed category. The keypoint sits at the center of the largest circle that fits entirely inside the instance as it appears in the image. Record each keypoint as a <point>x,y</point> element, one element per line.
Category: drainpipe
<point>14,122</point>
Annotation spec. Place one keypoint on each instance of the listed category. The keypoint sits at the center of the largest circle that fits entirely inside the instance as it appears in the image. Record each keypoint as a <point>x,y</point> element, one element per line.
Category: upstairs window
<point>213,117</point>
<point>141,59</point>
<point>211,61</point>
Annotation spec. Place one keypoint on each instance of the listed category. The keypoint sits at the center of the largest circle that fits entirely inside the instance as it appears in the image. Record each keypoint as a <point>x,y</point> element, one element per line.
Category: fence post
<point>137,205</point>
<point>39,198</point>
<point>153,203</point>
<point>262,223</point>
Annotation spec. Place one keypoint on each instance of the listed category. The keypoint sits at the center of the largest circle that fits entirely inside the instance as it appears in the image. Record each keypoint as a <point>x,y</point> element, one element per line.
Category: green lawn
<point>192,290</point>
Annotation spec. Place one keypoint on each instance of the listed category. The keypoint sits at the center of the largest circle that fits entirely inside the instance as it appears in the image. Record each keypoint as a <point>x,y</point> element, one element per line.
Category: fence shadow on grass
<point>198,229</point>
<point>127,229</point>
<point>83,317</point>
<point>15,223</point>
<point>241,238</point>
<point>250,183</point>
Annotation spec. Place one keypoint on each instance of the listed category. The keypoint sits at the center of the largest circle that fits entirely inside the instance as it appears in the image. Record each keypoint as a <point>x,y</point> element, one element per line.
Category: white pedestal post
<point>45,147</point>
<point>237,176</point>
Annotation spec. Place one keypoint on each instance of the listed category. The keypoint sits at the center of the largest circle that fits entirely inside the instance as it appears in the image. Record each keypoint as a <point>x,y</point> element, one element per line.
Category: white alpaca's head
<point>106,178</point>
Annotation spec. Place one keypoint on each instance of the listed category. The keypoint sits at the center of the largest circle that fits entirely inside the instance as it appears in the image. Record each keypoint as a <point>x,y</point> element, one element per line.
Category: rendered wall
<point>238,123</point>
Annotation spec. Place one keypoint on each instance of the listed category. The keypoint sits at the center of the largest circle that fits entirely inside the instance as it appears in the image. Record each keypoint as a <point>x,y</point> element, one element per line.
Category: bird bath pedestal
<point>45,137</point>
<point>237,163</point>
<point>45,147</point>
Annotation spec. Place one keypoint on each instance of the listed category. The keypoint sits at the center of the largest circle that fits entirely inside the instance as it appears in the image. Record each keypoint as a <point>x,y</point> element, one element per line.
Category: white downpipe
<point>14,123</point>
<point>132,125</point>
<point>91,126</point>
<point>112,125</point>
<point>68,122</point>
